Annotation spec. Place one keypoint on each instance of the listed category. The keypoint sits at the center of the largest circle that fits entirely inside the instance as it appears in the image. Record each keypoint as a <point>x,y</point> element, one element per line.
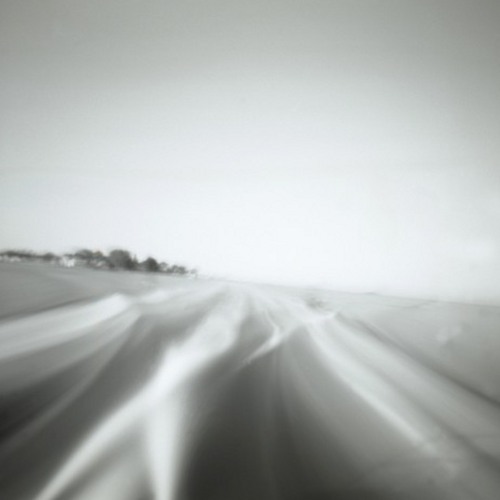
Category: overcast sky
<point>352,144</point>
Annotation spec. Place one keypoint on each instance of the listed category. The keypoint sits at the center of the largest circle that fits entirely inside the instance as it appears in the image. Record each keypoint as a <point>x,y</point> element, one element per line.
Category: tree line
<point>117,259</point>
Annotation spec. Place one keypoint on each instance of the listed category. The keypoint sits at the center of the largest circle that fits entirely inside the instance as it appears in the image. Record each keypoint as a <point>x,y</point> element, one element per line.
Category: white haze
<point>344,144</point>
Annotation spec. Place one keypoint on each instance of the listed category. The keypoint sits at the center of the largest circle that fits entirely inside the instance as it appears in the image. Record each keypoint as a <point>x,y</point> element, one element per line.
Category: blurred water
<point>207,390</point>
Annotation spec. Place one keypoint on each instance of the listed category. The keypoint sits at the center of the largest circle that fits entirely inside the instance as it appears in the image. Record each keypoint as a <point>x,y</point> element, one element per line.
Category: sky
<point>348,144</point>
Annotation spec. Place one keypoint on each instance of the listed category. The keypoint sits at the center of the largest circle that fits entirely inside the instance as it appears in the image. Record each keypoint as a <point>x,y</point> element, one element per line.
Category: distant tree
<point>122,259</point>
<point>93,258</point>
<point>49,257</point>
<point>176,269</point>
<point>84,254</point>
<point>20,254</point>
<point>117,259</point>
<point>151,265</point>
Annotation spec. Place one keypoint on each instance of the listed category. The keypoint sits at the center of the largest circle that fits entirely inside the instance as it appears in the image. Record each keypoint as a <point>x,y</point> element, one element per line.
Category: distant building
<point>69,261</point>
